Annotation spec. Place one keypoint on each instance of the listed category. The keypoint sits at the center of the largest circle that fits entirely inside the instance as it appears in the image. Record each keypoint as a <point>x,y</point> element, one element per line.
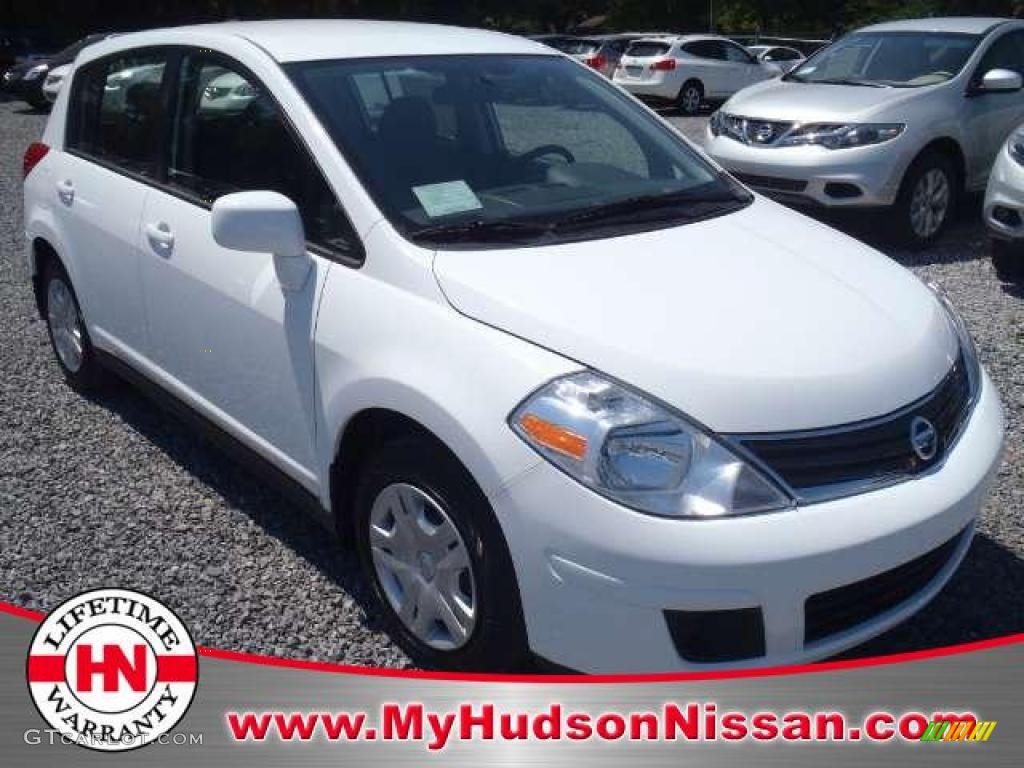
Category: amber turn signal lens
<point>554,437</point>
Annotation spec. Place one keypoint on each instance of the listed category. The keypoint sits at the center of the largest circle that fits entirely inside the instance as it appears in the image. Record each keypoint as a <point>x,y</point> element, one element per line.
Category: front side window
<point>889,59</point>
<point>500,148</point>
<point>1006,53</point>
<point>736,54</point>
<point>117,110</point>
<point>230,137</point>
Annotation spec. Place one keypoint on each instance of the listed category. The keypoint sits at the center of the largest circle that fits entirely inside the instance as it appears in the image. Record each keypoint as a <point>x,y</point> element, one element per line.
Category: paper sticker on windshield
<point>446,198</point>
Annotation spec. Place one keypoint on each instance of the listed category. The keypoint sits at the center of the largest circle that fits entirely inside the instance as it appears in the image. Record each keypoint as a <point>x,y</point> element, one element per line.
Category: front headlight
<point>967,348</point>
<point>836,136</point>
<point>1015,146</point>
<point>715,123</point>
<point>36,72</point>
<point>625,447</point>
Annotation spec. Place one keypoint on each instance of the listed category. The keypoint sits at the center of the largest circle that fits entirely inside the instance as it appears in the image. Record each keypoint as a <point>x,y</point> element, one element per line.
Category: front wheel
<point>927,200</point>
<point>437,560</point>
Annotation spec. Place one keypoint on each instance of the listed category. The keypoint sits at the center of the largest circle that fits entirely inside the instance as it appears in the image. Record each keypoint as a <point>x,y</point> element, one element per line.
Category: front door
<point>224,330</point>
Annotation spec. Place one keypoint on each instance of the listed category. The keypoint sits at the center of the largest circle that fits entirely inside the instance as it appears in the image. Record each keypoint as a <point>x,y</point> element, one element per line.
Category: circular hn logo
<point>112,669</point>
<point>924,438</point>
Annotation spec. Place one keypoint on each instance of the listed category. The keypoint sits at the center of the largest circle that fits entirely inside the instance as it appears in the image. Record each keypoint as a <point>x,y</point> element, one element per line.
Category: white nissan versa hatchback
<point>567,385</point>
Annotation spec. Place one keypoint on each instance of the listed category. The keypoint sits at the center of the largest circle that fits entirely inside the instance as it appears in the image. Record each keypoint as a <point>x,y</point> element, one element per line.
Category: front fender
<point>378,346</point>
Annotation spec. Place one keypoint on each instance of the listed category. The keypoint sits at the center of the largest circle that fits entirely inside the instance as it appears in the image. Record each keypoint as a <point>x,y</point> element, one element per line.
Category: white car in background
<point>54,81</point>
<point>1004,208</point>
<point>782,56</point>
<point>687,71</point>
<point>399,287</point>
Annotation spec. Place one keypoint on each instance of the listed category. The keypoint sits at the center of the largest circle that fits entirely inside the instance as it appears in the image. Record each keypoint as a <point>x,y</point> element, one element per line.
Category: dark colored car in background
<point>25,80</point>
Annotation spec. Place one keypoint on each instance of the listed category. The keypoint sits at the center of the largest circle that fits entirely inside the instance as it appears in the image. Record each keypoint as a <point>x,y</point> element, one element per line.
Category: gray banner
<point>984,682</point>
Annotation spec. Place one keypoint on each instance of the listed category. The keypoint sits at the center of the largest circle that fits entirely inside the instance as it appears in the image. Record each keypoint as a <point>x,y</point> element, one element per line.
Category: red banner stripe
<point>44,668</point>
<point>176,669</point>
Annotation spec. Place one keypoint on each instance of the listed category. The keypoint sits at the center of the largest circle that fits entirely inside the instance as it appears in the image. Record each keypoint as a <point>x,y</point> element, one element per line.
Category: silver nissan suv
<point>904,115</point>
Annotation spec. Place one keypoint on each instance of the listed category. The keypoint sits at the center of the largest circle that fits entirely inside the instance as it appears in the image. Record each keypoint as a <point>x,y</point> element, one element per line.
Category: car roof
<point>971,25</point>
<point>316,39</point>
<point>677,38</point>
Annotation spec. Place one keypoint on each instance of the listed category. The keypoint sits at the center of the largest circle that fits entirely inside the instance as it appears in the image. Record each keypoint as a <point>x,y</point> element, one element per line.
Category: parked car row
<point>682,71</point>
<point>37,80</point>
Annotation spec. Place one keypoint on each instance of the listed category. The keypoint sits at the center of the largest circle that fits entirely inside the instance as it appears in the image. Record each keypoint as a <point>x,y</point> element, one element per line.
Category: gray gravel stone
<point>114,492</point>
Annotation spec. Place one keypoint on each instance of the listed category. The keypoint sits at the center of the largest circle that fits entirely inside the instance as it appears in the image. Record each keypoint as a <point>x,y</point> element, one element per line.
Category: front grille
<point>772,182</point>
<point>828,613</point>
<point>816,464</point>
<point>751,130</point>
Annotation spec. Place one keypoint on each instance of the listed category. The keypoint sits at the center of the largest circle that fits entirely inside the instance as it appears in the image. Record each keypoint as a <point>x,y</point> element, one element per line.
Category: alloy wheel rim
<point>691,99</point>
<point>65,324</point>
<point>929,203</point>
<point>423,567</point>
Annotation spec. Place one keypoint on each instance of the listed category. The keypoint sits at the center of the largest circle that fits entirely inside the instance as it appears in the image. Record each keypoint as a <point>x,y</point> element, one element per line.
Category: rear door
<point>112,148</point>
<point>707,63</point>
<point>230,338</point>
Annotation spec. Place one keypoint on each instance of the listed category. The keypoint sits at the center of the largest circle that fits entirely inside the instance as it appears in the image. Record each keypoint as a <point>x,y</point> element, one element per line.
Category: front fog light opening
<point>639,453</point>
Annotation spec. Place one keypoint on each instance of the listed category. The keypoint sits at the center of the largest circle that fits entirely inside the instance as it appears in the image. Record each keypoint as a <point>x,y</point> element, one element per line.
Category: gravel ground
<point>114,492</point>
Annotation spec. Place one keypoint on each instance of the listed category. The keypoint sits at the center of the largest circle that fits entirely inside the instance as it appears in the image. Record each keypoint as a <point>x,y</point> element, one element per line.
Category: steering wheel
<point>547,149</point>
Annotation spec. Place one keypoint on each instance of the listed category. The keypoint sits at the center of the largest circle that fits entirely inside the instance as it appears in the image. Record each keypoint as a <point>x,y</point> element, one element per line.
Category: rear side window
<point>644,50</point>
<point>705,49</point>
<point>117,109</point>
<point>230,136</point>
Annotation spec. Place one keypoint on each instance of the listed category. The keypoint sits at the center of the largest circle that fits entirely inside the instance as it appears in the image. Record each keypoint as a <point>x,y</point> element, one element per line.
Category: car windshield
<point>895,59</point>
<point>508,149</point>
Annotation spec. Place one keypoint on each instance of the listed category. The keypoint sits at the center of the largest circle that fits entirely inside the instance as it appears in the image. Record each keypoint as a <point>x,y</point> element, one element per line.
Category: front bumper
<point>867,176</point>
<point>1004,199</point>
<point>596,579</point>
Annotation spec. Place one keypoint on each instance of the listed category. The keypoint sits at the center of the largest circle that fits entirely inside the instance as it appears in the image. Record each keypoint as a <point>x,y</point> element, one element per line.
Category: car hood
<point>759,321</point>
<point>784,100</point>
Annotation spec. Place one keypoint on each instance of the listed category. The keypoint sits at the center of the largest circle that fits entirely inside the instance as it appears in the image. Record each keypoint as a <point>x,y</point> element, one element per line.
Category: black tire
<point>903,213</point>
<point>690,98</point>
<point>88,377</point>
<point>498,641</point>
<point>1008,260</point>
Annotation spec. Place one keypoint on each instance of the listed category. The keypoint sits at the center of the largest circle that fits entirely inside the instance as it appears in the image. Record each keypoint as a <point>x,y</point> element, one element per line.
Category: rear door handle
<point>66,191</point>
<point>160,236</point>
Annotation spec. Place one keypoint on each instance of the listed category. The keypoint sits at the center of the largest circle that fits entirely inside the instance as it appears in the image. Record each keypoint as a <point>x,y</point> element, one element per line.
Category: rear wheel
<point>68,335</point>
<point>691,96</point>
<point>437,560</point>
<point>927,199</point>
<point>1008,260</point>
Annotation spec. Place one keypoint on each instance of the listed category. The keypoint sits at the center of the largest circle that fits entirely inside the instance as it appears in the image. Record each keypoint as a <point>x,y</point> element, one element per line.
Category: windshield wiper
<point>481,230</point>
<point>697,206</point>
<point>847,81</point>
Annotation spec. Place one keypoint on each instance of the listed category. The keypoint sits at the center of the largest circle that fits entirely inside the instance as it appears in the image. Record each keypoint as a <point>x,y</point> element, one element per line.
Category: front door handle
<point>160,236</point>
<point>66,191</point>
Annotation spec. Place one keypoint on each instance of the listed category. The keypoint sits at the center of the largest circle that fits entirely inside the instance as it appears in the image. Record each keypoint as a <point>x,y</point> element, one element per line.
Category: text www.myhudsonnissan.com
<point>672,722</point>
